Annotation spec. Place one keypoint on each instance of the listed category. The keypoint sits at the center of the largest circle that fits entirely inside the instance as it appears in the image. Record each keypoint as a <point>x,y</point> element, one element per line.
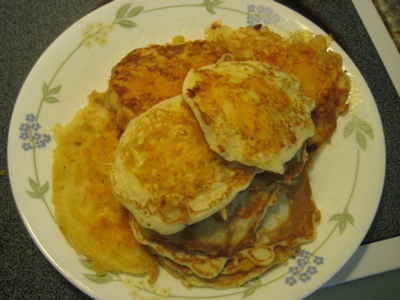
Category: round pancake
<point>221,234</point>
<point>206,246</point>
<point>250,112</point>
<point>223,281</point>
<point>165,173</point>
<point>302,54</point>
<point>288,221</point>
<point>292,220</point>
<point>149,75</point>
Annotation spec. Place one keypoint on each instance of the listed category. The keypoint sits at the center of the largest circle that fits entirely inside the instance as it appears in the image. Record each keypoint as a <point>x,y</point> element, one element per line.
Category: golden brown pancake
<point>91,219</point>
<point>165,173</point>
<point>292,169</point>
<point>232,279</point>
<point>219,235</point>
<point>302,54</point>
<point>152,74</point>
<point>149,75</point>
<point>97,225</point>
<point>287,222</point>
<point>292,220</point>
<point>250,112</point>
<point>206,246</point>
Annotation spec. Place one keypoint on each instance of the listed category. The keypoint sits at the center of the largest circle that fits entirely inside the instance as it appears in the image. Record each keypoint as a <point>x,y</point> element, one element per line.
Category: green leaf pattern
<point>123,14</point>
<point>251,287</point>
<point>343,219</point>
<point>361,129</point>
<point>38,191</point>
<point>87,264</point>
<point>47,93</point>
<point>211,4</point>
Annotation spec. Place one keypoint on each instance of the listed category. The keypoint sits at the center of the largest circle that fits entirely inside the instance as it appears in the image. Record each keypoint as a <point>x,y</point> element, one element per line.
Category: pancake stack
<point>215,178</point>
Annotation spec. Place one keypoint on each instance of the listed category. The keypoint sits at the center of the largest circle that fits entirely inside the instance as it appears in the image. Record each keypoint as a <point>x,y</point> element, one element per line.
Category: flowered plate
<point>347,178</point>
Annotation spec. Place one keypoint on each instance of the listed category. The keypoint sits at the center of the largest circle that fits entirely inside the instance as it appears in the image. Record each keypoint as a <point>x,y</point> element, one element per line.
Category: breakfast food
<point>165,173</point>
<point>206,246</point>
<point>263,228</point>
<point>196,158</point>
<point>133,81</point>
<point>302,54</point>
<point>250,112</point>
<point>147,76</point>
<point>90,217</point>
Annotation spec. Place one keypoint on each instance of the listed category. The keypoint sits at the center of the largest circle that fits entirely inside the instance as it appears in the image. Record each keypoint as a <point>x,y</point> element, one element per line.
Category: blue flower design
<point>251,8</point>
<point>312,270</point>
<point>46,138</point>
<point>24,127</point>
<point>41,144</point>
<point>290,280</point>
<point>250,20</point>
<point>318,260</point>
<point>36,136</point>
<point>304,277</point>
<point>35,126</point>
<point>301,262</point>
<point>294,270</point>
<point>303,253</point>
<point>304,268</point>
<point>261,15</point>
<point>27,146</point>
<point>30,134</point>
<point>30,118</point>
<point>266,20</point>
<point>260,9</point>
<point>24,136</point>
<point>276,18</point>
<point>268,11</point>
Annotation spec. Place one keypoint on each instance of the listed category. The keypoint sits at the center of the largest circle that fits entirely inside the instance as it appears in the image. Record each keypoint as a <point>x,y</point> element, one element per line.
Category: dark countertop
<point>29,27</point>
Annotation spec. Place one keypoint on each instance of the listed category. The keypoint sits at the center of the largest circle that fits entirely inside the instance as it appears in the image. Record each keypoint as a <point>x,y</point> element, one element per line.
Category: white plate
<point>347,178</point>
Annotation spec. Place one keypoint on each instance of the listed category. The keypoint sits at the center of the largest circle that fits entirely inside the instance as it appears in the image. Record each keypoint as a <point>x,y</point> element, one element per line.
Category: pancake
<point>218,235</point>
<point>302,54</point>
<point>292,220</point>
<point>292,169</point>
<point>165,173</point>
<point>89,216</point>
<point>209,221</point>
<point>206,246</point>
<point>224,281</point>
<point>286,222</point>
<point>149,75</point>
<point>250,112</point>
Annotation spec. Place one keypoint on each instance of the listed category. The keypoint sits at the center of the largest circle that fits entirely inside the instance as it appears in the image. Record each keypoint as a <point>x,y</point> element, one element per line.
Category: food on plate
<point>263,228</point>
<point>89,216</point>
<point>147,76</point>
<point>197,156</point>
<point>165,173</point>
<point>228,279</point>
<point>250,112</point>
<point>205,247</point>
<point>302,54</point>
<point>132,86</point>
<point>219,235</point>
